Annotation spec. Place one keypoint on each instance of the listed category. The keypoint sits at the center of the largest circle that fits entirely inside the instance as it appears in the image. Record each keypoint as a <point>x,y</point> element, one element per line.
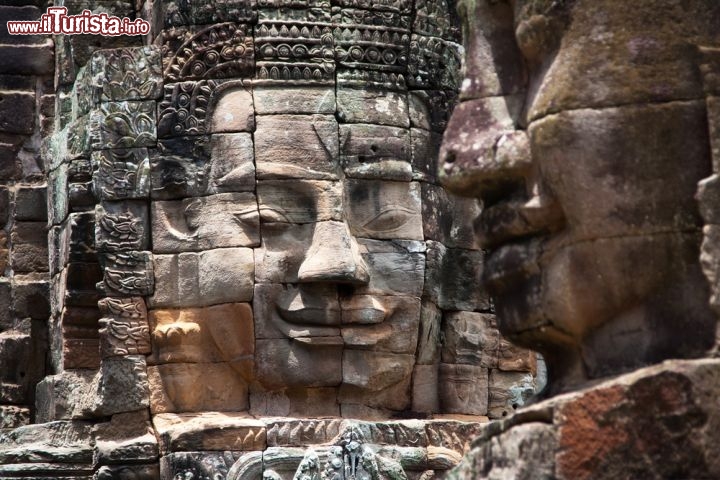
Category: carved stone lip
<point>512,221</point>
<point>320,316</point>
<point>508,266</point>
<point>328,315</point>
<point>364,316</point>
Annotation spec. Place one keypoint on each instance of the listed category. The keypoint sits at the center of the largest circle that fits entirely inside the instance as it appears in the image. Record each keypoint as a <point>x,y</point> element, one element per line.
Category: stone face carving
<point>591,222</point>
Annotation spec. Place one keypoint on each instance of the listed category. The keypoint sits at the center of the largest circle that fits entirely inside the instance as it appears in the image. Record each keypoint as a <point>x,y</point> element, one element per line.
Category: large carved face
<point>583,128</point>
<point>305,256</point>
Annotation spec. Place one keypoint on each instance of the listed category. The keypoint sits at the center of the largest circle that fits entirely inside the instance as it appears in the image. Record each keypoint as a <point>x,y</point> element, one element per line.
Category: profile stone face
<point>586,150</point>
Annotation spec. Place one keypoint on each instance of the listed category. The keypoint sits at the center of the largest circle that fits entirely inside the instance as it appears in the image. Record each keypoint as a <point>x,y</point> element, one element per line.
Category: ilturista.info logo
<point>57,22</point>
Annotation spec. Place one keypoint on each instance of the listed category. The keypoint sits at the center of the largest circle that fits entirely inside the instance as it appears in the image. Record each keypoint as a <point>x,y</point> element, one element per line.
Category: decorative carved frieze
<point>223,50</point>
<point>124,327</point>
<point>295,45</point>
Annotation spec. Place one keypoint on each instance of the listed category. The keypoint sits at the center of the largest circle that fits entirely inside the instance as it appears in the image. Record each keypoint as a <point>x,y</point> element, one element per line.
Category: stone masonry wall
<point>26,116</point>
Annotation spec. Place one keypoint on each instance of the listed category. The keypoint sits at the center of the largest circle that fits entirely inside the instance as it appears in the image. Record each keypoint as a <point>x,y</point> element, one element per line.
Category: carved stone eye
<point>389,219</point>
<point>271,215</point>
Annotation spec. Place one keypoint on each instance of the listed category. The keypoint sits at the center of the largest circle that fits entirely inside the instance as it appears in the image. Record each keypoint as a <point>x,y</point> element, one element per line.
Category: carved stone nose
<point>333,256</point>
<point>482,150</point>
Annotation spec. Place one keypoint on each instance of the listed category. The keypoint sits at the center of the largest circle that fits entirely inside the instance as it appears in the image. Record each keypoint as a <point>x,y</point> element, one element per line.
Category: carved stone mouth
<point>306,309</point>
<point>509,265</point>
<point>306,317</point>
<point>511,221</point>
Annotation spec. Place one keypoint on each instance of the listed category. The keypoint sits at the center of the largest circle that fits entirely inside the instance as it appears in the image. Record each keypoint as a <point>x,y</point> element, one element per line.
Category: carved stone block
<point>174,388</point>
<point>121,174</point>
<point>396,332</point>
<point>277,99</point>
<point>463,389</point>
<point>122,226</point>
<point>379,380</point>
<point>232,167</point>
<point>379,107</point>
<point>375,151</point>
<point>207,278</point>
<point>124,125</point>
<point>180,168</point>
<point>384,210</point>
<point>394,268</point>
<point>209,431</point>
<point>128,274</point>
<point>296,146</point>
<point>64,442</point>
<point>471,339</point>
<point>231,110</point>
<point>220,333</point>
<point>304,201</point>
<point>29,247</point>
<point>30,298</point>
<point>133,307</point>
<point>202,223</point>
<point>30,204</point>
<point>452,276</point>
<point>121,385</point>
<point>124,327</point>
<point>127,437</point>
<point>16,116</point>
<point>326,362</point>
<point>127,73</point>
<point>124,336</point>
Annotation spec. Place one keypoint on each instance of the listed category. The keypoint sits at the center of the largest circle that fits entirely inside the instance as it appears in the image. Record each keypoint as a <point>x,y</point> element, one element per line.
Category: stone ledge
<point>658,422</point>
